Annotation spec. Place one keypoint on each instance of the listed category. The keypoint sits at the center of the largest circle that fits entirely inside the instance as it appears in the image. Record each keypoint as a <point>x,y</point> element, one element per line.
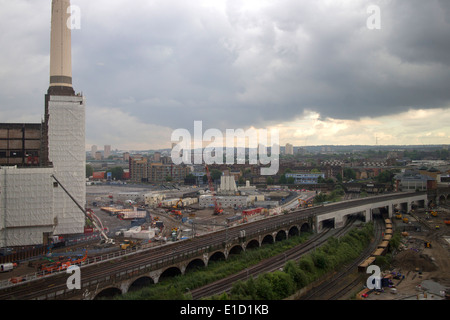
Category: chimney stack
<point>60,50</point>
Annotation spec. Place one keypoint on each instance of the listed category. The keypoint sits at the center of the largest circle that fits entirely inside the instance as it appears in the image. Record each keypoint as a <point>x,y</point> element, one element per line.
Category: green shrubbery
<point>178,287</point>
<point>270,286</point>
<point>296,275</point>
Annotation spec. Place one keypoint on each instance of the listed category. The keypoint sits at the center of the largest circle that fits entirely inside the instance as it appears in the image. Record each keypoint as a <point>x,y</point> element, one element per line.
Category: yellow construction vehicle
<point>434,213</point>
<point>302,203</point>
<point>127,244</point>
<point>405,220</point>
<point>427,244</point>
<point>398,216</point>
<point>177,205</point>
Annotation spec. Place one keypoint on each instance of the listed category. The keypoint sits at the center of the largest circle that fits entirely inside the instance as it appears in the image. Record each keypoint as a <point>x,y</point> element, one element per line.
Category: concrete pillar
<point>368,215</point>
<point>155,275</point>
<point>339,221</point>
<point>205,259</point>
<point>318,226</point>
<point>124,286</point>
<point>390,210</point>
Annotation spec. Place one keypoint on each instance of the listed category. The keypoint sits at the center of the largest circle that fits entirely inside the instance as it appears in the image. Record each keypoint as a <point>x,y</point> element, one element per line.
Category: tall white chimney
<point>61,49</point>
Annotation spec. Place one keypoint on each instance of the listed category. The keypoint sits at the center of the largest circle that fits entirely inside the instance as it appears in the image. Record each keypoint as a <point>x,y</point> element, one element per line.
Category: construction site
<point>124,218</point>
<point>420,269</point>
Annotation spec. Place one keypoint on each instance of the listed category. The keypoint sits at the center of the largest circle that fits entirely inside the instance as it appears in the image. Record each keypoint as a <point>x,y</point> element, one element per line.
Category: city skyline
<point>312,70</point>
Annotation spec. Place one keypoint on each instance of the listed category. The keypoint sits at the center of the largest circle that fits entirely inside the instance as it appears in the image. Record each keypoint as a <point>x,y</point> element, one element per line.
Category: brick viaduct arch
<point>439,196</point>
<point>233,248</point>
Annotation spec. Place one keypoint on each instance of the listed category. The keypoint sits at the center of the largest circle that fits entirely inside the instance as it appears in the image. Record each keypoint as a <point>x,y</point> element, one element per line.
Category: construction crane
<point>217,209</point>
<point>105,239</point>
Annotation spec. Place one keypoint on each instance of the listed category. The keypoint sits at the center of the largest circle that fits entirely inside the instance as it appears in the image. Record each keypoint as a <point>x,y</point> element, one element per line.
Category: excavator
<point>177,205</point>
<point>127,244</point>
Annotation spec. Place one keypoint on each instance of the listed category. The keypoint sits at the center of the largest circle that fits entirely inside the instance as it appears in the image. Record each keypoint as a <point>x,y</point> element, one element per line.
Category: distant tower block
<point>60,50</point>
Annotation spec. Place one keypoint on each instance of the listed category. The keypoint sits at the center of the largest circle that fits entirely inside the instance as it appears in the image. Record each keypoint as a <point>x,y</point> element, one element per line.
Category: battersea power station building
<point>33,206</point>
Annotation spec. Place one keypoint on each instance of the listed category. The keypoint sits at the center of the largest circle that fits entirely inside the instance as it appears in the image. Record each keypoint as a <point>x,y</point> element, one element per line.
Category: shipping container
<point>98,175</point>
<point>250,212</point>
<point>6,267</point>
<point>132,215</point>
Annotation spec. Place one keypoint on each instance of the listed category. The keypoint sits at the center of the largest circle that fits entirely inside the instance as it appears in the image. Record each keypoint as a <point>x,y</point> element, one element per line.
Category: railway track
<point>345,279</point>
<point>49,286</point>
<point>270,264</point>
<point>143,259</point>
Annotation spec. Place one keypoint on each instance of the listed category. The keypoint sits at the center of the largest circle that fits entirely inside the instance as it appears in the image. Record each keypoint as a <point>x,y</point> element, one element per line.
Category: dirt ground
<point>426,270</point>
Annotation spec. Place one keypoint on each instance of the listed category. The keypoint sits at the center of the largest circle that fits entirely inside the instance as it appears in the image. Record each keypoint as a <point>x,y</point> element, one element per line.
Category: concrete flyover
<point>338,214</point>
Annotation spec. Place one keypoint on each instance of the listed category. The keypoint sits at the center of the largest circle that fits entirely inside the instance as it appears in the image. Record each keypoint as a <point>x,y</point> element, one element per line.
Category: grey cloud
<point>172,62</point>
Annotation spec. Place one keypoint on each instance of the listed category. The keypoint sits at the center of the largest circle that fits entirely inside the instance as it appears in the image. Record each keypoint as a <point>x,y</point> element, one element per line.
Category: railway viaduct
<point>124,274</point>
<point>333,214</point>
<point>231,243</point>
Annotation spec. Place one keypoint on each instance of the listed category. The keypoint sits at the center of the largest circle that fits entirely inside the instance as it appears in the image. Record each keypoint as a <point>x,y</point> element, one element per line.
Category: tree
<point>116,172</point>
<point>349,174</point>
<point>216,174</point>
<point>264,288</point>
<point>89,170</point>
<point>385,176</point>
<point>296,273</point>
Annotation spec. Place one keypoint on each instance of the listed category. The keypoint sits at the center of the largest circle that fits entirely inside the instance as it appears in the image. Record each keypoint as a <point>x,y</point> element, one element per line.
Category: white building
<point>206,201</point>
<point>227,185</point>
<point>289,149</point>
<point>153,199</point>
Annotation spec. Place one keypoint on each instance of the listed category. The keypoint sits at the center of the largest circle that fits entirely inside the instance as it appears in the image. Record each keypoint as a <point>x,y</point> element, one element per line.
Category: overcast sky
<point>311,68</point>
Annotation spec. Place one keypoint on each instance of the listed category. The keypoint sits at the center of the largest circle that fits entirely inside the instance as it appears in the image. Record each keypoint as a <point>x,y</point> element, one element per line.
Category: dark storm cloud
<point>172,62</point>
